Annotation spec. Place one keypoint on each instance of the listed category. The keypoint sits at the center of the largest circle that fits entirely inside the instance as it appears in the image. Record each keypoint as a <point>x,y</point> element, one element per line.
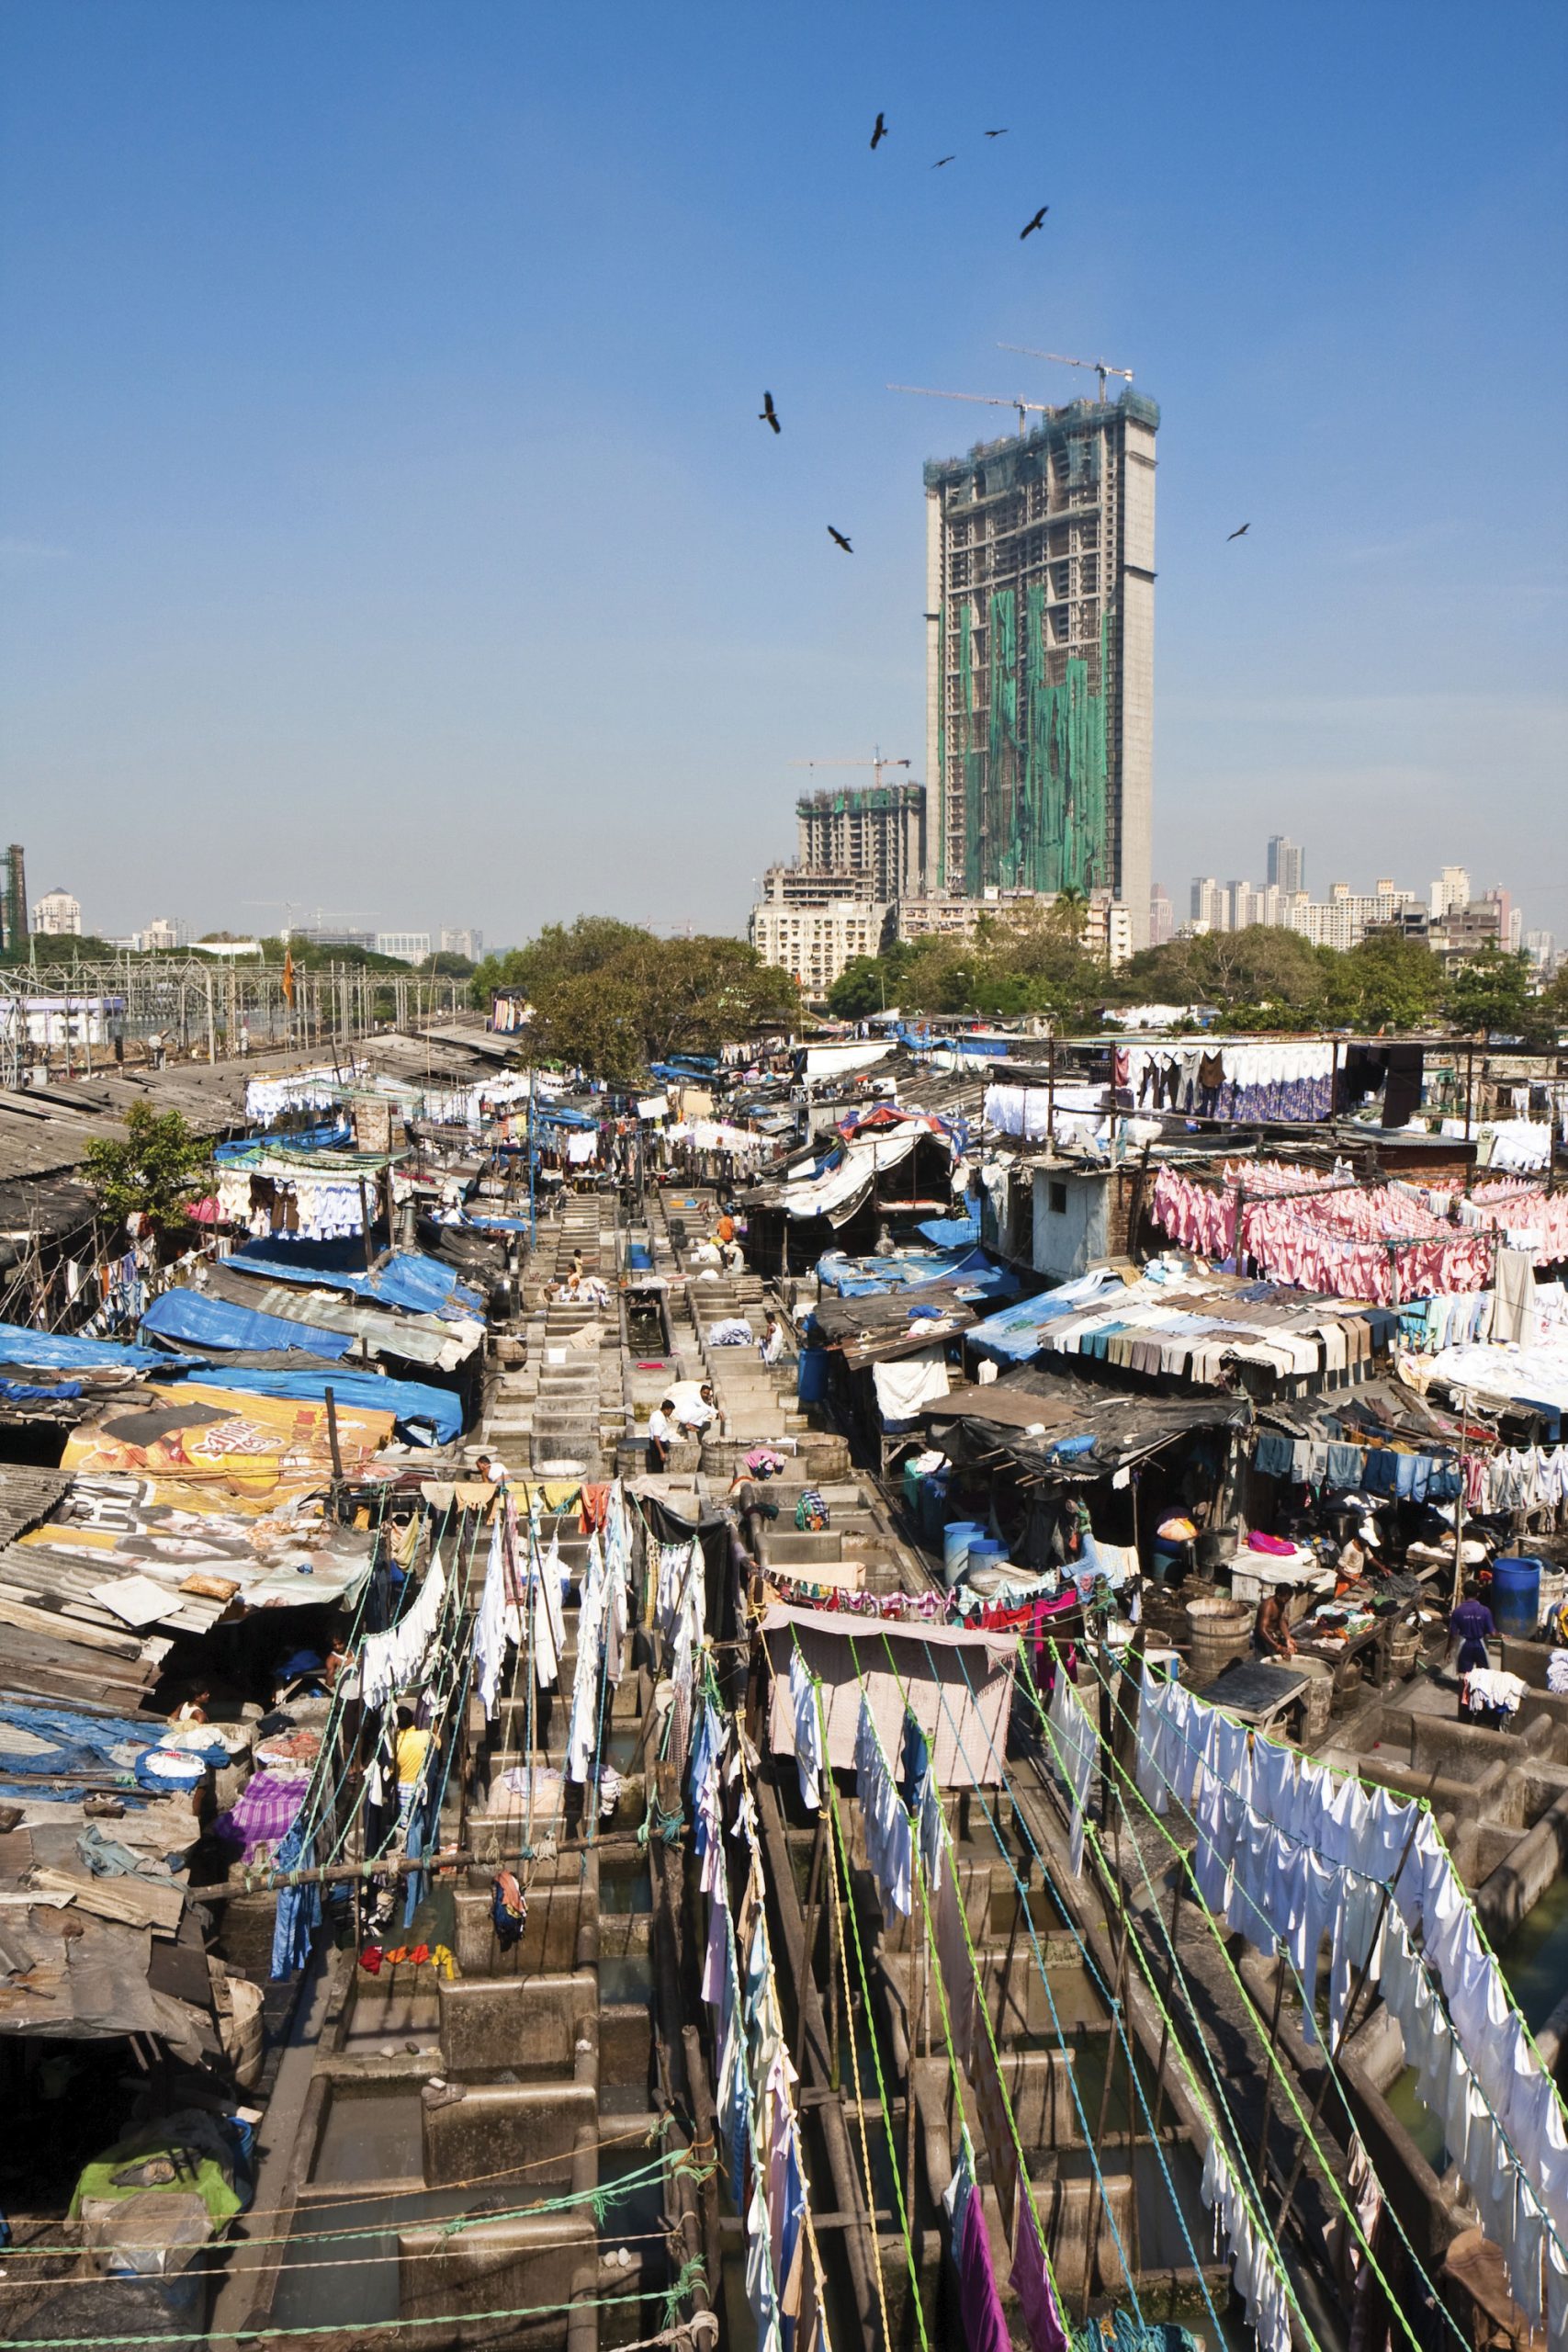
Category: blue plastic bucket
<point>1515,1596</point>
<point>956,1538</point>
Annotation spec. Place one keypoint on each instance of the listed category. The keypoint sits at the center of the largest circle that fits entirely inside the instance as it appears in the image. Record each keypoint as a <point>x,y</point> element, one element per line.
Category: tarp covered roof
<point>1032,1415</point>
<point>204,1322</point>
<point>411,1279</point>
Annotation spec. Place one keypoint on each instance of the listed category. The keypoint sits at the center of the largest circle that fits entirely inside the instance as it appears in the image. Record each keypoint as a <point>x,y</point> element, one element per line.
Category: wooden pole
<point>330,1403</point>
<point>1097,2201</point>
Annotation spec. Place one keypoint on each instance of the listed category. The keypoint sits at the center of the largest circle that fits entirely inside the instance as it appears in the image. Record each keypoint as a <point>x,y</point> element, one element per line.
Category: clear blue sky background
<point>384,523</point>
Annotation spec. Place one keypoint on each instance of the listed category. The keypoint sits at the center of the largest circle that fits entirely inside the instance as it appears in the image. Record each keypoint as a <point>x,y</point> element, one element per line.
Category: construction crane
<point>878,762</point>
<point>986,399</point>
<point>1102,367</point>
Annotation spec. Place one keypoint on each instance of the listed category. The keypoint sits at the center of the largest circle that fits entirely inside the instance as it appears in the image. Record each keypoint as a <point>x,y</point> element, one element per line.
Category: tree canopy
<point>150,1173</point>
<point>610,998</point>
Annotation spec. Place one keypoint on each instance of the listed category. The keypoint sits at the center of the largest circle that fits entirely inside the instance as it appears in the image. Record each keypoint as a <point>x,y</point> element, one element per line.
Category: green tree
<point>1491,992</point>
<point>609,998</point>
<point>1385,982</point>
<point>150,1173</point>
<point>1262,970</point>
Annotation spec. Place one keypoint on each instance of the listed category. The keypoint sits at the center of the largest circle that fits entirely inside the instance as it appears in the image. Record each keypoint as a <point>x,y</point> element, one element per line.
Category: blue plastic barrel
<point>956,1538</point>
<point>811,1375</point>
<point>638,1254</point>
<point>987,1552</point>
<point>1515,1596</point>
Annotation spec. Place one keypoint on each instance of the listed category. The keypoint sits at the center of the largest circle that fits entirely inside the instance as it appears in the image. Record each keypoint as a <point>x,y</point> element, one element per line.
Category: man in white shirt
<point>773,1340</point>
<point>661,1435</point>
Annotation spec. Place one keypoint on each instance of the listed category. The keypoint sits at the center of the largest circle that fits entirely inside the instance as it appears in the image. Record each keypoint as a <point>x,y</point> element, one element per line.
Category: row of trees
<point>1261,977</point>
<point>610,998</point>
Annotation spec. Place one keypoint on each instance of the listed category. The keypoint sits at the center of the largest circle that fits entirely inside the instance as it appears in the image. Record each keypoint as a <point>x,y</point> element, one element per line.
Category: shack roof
<point>1032,1415</point>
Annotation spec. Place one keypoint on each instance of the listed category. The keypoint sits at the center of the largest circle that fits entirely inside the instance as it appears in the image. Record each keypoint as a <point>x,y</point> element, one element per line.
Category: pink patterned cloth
<point>1335,1242</point>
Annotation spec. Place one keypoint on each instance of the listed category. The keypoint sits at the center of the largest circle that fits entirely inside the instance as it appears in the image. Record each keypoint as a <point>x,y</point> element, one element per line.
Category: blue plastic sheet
<point>62,1352</point>
<point>414,1404</point>
<point>410,1278</point>
<point>331,1137</point>
<point>77,1743</point>
<point>950,1232</point>
<point>204,1322</point>
<point>1013,1335</point>
<point>866,1277</point>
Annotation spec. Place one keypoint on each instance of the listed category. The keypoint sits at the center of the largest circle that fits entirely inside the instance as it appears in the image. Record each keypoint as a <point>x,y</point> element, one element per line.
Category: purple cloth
<point>264,1812</point>
<point>985,2328</point>
<point>1031,2280</point>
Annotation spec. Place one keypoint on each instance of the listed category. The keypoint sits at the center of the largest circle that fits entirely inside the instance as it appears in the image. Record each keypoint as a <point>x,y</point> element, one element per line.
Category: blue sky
<point>385,524</point>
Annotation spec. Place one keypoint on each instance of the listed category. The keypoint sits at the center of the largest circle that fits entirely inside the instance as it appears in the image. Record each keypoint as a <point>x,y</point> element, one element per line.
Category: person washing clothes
<point>1471,1627</point>
<point>1272,1635</point>
<point>773,1340</point>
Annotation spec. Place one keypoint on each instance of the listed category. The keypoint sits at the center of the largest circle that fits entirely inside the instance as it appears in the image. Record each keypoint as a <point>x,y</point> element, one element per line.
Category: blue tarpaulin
<point>864,1277</point>
<point>75,1742</point>
<point>1013,1336</point>
<point>63,1352</point>
<point>409,1279</point>
<point>203,1322</point>
<point>412,1401</point>
<point>950,1232</point>
<point>332,1137</point>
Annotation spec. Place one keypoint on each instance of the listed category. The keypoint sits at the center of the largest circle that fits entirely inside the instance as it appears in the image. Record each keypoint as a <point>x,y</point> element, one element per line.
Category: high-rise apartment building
<point>462,939</point>
<point>1287,864</point>
<point>878,831</point>
<point>14,913</point>
<point>58,915</point>
<point>1162,916</point>
<point>1210,903</point>
<point>1040,553</point>
<point>1451,890</point>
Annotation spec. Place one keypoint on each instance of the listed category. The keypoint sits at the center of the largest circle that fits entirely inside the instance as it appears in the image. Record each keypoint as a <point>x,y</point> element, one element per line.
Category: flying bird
<point>1237,534</point>
<point>941,160</point>
<point>996,134</point>
<point>1038,222</point>
<point>768,413</point>
<point>880,133</point>
<point>839,541</point>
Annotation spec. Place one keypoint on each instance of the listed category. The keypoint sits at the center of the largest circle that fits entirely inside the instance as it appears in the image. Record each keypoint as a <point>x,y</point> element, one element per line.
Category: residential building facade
<point>815,938</point>
<point>58,915</point>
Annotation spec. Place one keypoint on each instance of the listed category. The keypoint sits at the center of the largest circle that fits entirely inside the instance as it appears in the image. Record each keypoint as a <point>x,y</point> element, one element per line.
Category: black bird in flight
<point>768,413</point>
<point>880,133</point>
<point>996,134</point>
<point>1237,534</point>
<point>941,160</point>
<point>839,541</point>
<point>1038,222</point>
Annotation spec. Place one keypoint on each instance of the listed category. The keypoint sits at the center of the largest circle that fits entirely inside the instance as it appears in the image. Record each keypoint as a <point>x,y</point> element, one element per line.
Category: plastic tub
<point>1516,1596</point>
<point>985,1552</point>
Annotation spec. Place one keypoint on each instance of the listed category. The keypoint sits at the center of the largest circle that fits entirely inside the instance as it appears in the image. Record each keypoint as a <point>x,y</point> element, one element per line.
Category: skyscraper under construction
<point>1039,556</point>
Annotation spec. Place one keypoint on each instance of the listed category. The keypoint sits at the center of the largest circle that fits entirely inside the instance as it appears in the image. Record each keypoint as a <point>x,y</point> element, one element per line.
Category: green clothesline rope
<point>692,2274</point>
